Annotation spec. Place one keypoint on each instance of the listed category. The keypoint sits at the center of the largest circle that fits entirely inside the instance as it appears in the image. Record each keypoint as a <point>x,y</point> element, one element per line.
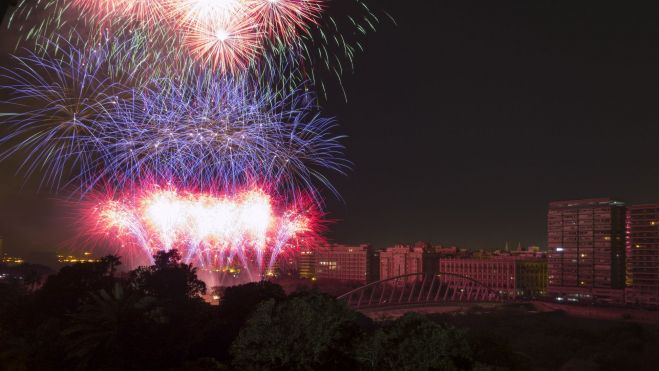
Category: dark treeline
<point>556,340</point>
<point>90,317</point>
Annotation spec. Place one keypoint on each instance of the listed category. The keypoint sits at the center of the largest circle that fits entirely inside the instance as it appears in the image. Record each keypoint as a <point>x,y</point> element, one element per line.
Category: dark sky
<point>466,118</point>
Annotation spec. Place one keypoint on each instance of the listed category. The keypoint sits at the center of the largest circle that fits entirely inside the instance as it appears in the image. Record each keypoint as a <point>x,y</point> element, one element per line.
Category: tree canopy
<point>90,317</point>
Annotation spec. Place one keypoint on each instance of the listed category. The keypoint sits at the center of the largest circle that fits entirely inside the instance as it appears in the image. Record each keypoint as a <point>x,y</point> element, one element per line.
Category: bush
<point>305,332</point>
<point>413,342</point>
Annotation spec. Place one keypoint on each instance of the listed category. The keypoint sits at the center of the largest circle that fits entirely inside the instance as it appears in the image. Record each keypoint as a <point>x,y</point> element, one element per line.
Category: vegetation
<point>517,338</point>
<point>90,317</point>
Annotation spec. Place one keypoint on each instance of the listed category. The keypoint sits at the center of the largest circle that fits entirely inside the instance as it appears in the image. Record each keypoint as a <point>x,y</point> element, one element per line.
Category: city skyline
<point>510,244</point>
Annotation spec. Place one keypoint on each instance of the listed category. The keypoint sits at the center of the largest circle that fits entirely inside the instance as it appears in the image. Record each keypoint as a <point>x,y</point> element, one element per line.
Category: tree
<point>13,348</point>
<point>168,279</point>
<point>202,364</point>
<point>304,332</point>
<point>495,350</point>
<point>14,297</point>
<point>111,331</point>
<point>413,342</point>
<point>176,289</point>
<point>237,303</point>
<point>65,291</point>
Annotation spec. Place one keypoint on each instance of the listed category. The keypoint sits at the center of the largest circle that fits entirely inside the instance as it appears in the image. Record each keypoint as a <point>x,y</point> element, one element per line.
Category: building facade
<point>306,264</point>
<point>586,249</point>
<point>531,277</point>
<point>509,276</point>
<point>643,255</point>
<point>497,274</point>
<point>373,265</point>
<point>400,260</point>
<point>343,262</point>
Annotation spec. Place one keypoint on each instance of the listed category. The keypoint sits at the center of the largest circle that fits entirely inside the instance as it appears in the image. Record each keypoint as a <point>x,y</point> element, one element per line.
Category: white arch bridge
<point>422,289</point>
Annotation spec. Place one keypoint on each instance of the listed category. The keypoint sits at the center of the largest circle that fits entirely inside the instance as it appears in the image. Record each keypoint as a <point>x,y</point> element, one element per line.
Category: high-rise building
<point>643,254</point>
<point>586,249</point>
<point>343,262</point>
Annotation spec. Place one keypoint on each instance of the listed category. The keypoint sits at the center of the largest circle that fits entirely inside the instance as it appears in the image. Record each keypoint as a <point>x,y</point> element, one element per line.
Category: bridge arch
<point>421,289</point>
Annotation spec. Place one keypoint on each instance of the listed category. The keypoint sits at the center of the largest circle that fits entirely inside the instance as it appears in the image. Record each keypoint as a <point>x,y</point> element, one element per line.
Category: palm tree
<point>101,332</point>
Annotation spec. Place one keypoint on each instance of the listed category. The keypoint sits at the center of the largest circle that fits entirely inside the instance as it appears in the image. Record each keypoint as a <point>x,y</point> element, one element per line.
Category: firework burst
<point>222,129</point>
<point>199,128</point>
<point>196,117</point>
<point>248,227</point>
<point>187,12</point>
<point>296,38</point>
<point>60,105</point>
<point>284,19</point>
<point>230,45</point>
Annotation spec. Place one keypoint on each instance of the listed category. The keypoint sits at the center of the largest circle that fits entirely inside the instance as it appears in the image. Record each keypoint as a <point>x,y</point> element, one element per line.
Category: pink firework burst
<point>248,228</point>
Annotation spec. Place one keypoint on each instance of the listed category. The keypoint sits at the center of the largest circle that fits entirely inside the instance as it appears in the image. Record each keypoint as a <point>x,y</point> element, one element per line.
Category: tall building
<point>306,264</point>
<point>531,276</point>
<point>430,256</point>
<point>586,243</point>
<point>399,260</point>
<point>643,254</point>
<point>373,265</point>
<point>343,262</point>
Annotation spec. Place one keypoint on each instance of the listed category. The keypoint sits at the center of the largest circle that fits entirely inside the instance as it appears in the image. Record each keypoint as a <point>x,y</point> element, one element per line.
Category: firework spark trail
<point>229,45</point>
<point>186,12</point>
<point>196,127</point>
<point>207,98</point>
<point>209,229</point>
<point>285,19</point>
<point>225,130</point>
<point>297,39</point>
<point>62,103</point>
<point>224,34</point>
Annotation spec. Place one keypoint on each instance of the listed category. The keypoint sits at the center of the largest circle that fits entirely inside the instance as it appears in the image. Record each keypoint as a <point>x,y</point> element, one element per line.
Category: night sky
<point>465,119</point>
